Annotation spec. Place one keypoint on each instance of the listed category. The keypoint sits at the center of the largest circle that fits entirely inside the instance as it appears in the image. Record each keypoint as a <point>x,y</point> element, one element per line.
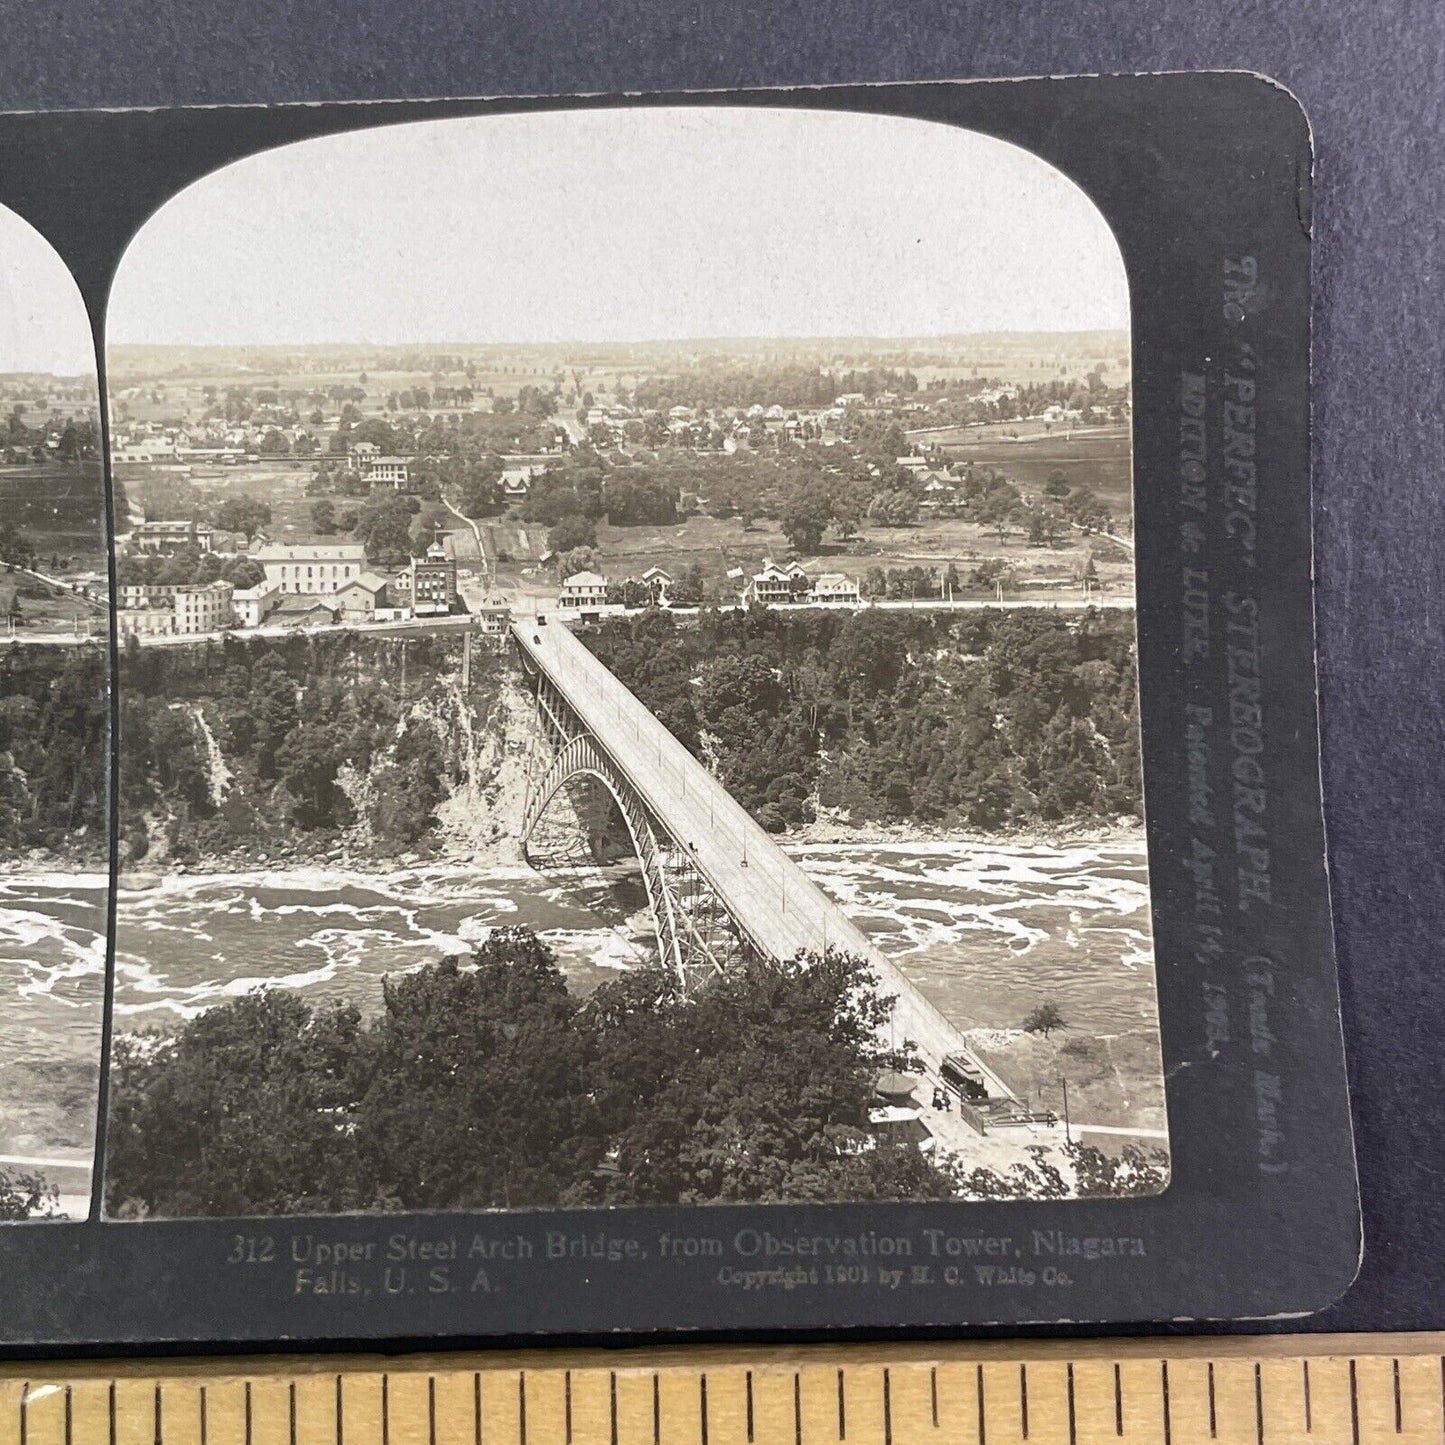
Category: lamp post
<point>1068,1137</point>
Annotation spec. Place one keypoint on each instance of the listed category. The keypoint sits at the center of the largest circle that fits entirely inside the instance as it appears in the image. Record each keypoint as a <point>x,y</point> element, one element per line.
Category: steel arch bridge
<point>692,930</point>
<point>717,884</point>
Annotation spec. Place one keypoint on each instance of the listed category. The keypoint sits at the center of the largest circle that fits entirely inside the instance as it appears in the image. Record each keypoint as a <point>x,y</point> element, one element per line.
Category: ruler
<point>1315,1390</point>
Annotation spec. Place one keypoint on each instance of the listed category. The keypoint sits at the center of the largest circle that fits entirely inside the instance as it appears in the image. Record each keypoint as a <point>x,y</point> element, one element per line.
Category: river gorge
<point>987,930</point>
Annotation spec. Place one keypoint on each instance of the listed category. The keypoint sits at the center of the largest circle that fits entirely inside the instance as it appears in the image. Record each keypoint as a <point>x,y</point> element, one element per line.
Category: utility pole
<point>1068,1137</point>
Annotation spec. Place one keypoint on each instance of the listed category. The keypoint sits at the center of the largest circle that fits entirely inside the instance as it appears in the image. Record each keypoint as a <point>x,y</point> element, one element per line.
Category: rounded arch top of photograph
<point>44,328</point>
<point>622,225</point>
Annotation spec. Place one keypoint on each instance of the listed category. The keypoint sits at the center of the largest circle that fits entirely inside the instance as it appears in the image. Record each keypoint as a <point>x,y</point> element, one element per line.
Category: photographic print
<point>628,675</point>
<point>691,712</point>
<point>54,680</point>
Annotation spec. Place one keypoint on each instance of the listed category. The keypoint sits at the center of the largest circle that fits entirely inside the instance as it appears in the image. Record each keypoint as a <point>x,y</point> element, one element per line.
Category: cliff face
<point>338,747</point>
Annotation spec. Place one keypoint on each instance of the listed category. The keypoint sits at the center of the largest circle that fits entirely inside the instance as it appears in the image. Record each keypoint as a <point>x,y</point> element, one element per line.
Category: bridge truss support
<point>695,934</point>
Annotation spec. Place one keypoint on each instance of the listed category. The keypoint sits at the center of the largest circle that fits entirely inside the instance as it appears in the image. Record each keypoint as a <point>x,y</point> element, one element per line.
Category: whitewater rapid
<point>987,930</point>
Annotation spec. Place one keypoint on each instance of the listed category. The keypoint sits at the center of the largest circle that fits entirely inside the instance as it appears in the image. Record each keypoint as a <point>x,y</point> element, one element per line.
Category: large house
<point>171,611</point>
<point>168,536</point>
<point>371,466</point>
<point>834,587</point>
<point>311,568</point>
<point>493,619</point>
<point>583,592</point>
<point>775,584</point>
<point>516,480</point>
<point>657,582</point>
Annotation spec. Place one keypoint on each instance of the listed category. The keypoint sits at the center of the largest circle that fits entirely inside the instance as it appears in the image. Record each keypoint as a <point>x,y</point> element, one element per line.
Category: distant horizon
<point>662,343</point>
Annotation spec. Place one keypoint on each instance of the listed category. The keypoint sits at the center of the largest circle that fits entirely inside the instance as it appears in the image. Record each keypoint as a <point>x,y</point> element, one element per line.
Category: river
<point>986,930</point>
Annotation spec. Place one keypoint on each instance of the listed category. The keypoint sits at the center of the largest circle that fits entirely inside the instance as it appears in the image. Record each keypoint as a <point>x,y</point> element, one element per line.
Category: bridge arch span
<point>582,757</point>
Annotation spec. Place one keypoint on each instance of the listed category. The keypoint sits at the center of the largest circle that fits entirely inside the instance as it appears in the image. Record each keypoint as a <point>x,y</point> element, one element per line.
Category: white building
<point>834,587</point>
<point>657,582</point>
<point>175,610</point>
<point>315,568</point>
<point>168,536</point>
<point>583,590</point>
<point>389,471</point>
<point>776,584</point>
<point>251,604</point>
<point>369,464</point>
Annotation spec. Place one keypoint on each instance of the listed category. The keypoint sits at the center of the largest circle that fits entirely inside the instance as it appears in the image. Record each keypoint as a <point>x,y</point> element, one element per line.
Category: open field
<point>716,545</point>
<point>60,508</point>
<point>1098,458</point>
<point>167,492</point>
<point>1114,1080</point>
<point>29,604</point>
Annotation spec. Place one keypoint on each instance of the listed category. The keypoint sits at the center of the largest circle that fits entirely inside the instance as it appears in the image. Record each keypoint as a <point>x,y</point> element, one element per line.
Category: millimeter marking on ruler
<point>1382,1390</point>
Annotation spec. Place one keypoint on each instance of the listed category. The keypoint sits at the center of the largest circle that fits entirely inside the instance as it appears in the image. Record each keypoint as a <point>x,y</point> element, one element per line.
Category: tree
<point>25,1196</point>
<point>1043,1019</point>
<point>1000,511</point>
<point>572,532</point>
<point>805,518</point>
<point>1087,512</point>
<point>687,588</point>
<point>323,516</point>
<point>1046,526</point>
<point>245,515</point>
<point>243,573</point>
<point>893,508</point>
<point>309,761</point>
<point>481,491</point>
<point>385,528</point>
<point>495,1086</point>
<point>633,496</point>
<point>846,512</point>
<point>1057,485</point>
<point>576,559</point>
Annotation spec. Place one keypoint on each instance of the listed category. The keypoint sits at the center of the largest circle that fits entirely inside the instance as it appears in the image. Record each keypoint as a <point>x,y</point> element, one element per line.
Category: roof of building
<point>300,603</point>
<point>584,579</point>
<point>834,579</point>
<point>369,580</point>
<point>773,571</point>
<point>170,589</point>
<point>310,551</point>
<point>656,572</point>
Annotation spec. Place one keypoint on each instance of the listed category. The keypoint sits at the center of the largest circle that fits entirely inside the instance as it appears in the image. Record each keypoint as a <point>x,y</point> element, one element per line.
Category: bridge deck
<point>781,910</point>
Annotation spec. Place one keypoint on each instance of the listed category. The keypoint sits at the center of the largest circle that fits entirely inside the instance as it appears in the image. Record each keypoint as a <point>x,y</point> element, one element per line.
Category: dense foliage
<point>186,566</point>
<point>491,1084</point>
<point>53,727</point>
<point>267,743</point>
<point>982,720</point>
<point>788,385</point>
<point>25,1196</point>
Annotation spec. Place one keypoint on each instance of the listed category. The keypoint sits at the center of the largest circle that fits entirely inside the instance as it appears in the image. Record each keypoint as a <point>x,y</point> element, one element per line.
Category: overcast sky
<point>623,225</point>
<point>43,325</point>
